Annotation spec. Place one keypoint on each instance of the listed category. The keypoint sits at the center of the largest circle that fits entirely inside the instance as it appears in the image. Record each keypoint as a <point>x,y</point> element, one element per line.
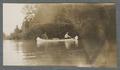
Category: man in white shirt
<point>67,36</point>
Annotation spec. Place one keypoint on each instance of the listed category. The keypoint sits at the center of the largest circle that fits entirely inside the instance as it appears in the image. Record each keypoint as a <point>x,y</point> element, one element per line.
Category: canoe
<point>54,40</point>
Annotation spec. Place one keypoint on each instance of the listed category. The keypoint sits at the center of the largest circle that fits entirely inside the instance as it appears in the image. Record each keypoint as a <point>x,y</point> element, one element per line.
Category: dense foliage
<point>89,21</point>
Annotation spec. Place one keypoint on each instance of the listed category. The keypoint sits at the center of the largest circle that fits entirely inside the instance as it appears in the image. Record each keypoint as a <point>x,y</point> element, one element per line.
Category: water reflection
<point>62,53</point>
<point>69,44</point>
<point>69,53</point>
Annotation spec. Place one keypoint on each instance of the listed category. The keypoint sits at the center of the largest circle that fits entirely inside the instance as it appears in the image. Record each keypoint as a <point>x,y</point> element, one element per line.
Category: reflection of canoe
<point>55,40</point>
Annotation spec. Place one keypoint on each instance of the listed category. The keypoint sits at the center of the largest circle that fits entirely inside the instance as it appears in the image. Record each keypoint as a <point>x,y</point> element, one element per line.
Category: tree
<point>89,21</point>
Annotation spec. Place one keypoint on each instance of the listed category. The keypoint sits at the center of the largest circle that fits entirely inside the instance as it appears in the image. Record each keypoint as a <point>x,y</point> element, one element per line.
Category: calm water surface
<point>80,54</point>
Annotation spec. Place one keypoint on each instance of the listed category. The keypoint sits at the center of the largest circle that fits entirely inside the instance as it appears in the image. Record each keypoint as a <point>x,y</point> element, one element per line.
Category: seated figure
<point>76,37</point>
<point>67,36</point>
<point>44,36</point>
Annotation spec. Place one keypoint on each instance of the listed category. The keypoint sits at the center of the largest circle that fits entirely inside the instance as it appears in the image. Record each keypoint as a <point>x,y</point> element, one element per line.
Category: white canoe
<point>54,40</point>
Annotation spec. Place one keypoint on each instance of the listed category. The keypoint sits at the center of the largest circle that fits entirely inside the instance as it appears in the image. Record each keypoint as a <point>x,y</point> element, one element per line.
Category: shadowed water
<point>71,53</point>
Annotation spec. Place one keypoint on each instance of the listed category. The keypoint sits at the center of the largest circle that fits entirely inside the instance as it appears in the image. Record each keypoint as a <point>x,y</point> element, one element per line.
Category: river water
<point>79,54</point>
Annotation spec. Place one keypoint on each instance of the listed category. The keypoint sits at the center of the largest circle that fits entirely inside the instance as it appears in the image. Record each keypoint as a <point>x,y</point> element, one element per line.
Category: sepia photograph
<point>59,34</point>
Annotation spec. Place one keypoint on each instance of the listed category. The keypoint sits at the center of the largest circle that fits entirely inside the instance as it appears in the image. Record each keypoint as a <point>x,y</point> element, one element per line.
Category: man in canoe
<point>67,36</point>
<point>44,36</point>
